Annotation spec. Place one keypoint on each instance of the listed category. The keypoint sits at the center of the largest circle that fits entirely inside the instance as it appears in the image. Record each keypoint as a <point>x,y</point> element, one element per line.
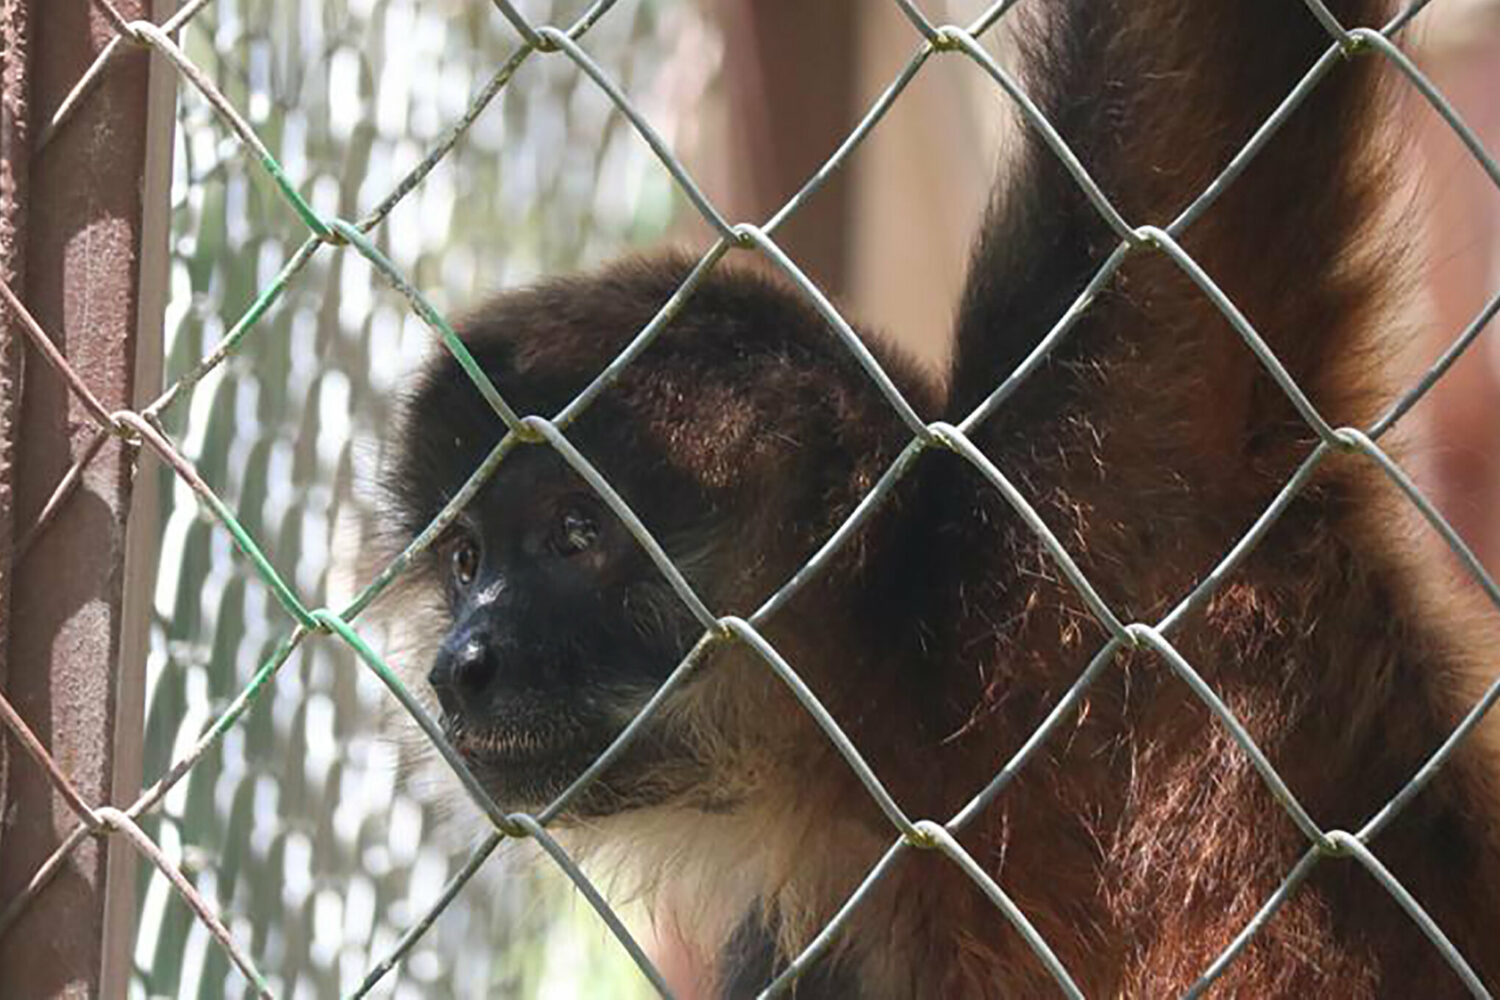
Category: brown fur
<point>1139,840</point>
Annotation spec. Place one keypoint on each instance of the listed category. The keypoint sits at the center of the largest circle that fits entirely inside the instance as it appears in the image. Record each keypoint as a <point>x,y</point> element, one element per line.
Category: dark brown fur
<point>1140,840</point>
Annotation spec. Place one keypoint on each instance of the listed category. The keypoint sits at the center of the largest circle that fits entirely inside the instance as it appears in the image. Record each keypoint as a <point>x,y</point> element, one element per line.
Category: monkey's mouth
<point>524,767</point>
<point>513,746</point>
<point>521,747</point>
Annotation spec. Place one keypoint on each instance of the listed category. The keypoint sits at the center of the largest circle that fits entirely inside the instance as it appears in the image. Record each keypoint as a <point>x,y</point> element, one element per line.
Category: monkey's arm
<point>1156,97</point>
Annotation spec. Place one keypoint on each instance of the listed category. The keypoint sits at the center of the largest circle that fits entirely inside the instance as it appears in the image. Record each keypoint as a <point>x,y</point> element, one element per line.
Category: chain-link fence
<point>221,741</point>
<point>283,429</point>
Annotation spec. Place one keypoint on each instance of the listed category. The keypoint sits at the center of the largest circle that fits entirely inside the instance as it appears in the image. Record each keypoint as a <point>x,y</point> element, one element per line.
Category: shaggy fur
<point>1140,840</point>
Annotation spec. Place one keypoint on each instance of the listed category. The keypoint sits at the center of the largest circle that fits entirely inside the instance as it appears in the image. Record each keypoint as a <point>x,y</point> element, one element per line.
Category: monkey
<point>1139,839</point>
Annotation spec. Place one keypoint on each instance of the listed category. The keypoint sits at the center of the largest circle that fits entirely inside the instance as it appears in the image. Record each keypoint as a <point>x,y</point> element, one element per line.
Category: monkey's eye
<point>463,559</point>
<point>576,531</point>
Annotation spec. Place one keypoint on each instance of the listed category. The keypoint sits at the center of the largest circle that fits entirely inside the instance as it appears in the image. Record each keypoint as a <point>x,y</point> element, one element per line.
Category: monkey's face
<point>560,630</point>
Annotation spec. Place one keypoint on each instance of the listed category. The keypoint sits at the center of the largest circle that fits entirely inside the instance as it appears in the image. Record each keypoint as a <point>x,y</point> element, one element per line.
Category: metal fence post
<point>791,97</point>
<point>94,259</point>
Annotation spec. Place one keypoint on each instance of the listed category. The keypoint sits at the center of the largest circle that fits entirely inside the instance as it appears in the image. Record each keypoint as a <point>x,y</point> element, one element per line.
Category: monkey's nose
<point>462,674</point>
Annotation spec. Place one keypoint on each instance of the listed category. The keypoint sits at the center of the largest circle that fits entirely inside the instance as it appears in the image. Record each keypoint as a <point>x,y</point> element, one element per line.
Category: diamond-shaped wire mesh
<point>338,89</point>
<point>282,429</point>
<point>287,706</point>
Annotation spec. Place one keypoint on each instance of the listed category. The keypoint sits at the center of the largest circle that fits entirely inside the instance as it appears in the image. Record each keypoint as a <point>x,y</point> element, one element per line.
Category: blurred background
<point>297,828</point>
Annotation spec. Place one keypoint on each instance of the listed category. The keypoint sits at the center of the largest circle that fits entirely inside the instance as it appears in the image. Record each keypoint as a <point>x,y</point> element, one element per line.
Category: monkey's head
<point>741,438</point>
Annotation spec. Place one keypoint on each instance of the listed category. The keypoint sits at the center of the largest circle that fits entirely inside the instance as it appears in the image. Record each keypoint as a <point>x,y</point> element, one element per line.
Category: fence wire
<point>307,622</point>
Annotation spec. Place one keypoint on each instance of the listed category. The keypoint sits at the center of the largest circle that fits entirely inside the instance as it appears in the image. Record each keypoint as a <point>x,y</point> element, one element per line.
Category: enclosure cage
<point>230,230</point>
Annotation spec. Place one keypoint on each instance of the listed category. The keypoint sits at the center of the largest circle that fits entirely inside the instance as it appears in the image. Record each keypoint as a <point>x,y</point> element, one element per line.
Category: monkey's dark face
<point>539,669</point>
